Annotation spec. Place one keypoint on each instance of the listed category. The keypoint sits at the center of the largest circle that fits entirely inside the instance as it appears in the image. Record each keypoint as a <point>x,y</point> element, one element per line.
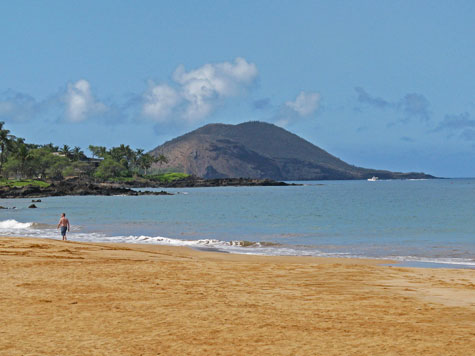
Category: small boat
<point>373,179</point>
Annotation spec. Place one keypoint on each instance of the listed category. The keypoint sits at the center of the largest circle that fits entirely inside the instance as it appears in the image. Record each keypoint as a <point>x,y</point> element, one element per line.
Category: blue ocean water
<point>416,221</point>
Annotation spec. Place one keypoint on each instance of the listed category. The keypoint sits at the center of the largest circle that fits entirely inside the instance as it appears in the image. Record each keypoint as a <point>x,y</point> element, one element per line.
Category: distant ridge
<point>259,150</point>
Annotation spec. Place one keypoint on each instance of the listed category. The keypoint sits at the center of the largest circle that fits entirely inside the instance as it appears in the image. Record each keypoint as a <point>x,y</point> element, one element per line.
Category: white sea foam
<point>31,229</point>
<point>13,227</point>
<point>12,224</point>
<point>240,247</point>
<point>445,261</point>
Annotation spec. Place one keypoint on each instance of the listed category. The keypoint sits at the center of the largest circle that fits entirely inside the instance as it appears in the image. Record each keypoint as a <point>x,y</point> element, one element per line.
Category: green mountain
<point>259,150</point>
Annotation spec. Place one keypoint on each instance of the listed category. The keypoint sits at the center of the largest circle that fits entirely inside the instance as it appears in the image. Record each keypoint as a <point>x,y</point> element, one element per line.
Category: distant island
<point>259,150</point>
<point>248,154</point>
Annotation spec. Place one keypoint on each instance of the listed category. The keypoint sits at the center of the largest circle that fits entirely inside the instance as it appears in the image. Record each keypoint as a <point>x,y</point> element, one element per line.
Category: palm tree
<point>97,151</point>
<point>145,162</point>
<point>66,150</point>
<point>5,143</point>
<point>161,159</point>
<point>137,155</point>
<point>23,155</point>
<point>51,147</point>
<point>77,153</point>
<point>102,151</point>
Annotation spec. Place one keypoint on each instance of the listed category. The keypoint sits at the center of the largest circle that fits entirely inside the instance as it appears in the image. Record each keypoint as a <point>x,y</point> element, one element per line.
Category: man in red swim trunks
<point>64,224</point>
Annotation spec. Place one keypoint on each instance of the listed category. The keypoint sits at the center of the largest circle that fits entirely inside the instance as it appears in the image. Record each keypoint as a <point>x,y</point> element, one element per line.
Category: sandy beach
<point>71,298</point>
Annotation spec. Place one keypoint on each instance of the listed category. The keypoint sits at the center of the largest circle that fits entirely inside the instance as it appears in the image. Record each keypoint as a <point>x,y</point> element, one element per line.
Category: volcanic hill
<point>259,150</point>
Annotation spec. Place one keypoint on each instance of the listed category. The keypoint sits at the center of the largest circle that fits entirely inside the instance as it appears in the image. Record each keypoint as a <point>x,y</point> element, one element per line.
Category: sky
<point>379,84</point>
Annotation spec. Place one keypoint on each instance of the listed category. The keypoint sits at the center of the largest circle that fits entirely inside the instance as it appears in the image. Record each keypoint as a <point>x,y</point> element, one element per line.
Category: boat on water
<point>373,179</point>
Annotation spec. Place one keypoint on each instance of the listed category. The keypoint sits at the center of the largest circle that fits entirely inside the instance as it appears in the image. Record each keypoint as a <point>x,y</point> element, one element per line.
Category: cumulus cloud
<point>80,102</point>
<point>196,93</point>
<point>305,104</point>
<point>159,101</point>
<point>76,102</point>
<point>412,105</point>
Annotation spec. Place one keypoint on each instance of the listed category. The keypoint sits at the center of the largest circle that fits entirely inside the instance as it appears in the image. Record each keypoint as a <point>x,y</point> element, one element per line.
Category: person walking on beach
<point>64,224</point>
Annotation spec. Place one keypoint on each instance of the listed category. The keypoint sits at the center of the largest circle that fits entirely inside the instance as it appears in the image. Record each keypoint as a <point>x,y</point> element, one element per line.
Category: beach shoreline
<point>80,298</point>
<point>417,224</point>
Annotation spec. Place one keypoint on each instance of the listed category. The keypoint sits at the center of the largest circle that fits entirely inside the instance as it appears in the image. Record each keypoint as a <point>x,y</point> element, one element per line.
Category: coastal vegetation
<point>23,163</point>
<point>22,183</point>
<point>159,178</point>
<point>168,177</point>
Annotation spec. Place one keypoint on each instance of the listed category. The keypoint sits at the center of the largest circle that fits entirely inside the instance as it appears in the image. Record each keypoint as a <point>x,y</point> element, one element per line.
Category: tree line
<point>19,159</point>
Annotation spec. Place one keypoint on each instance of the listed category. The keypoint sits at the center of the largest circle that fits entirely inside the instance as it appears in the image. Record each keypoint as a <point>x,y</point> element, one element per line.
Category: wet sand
<point>70,298</point>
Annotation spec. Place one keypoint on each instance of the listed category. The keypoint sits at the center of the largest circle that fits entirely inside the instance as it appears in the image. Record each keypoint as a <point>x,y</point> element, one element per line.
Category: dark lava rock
<point>80,186</point>
<point>32,206</point>
<point>74,186</point>
<point>193,181</point>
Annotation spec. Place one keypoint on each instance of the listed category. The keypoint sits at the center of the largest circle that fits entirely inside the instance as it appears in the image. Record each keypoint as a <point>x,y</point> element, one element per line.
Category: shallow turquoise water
<point>414,221</point>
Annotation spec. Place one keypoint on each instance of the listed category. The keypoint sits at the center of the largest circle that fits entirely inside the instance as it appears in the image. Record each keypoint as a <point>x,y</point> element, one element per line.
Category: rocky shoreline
<point>76,186</point>
<point>196,182</point>
<point>66,187</point>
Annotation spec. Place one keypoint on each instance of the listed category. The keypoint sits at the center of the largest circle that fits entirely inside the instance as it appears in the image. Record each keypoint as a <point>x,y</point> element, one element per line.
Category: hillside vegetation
<point>24,163</point>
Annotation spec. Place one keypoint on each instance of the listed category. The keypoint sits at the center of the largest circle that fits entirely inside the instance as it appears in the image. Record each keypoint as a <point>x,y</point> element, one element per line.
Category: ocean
<point>417,222</point>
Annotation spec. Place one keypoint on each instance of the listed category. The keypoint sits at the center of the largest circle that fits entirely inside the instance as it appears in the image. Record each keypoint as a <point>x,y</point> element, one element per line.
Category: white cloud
<point>159,101</point>
<point>77,102</point>
<point>198,91</point>
<point>80,103</point>
<point>305,104</point>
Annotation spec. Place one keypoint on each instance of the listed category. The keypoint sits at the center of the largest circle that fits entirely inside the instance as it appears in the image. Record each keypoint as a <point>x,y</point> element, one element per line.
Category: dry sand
<point>69,298</point>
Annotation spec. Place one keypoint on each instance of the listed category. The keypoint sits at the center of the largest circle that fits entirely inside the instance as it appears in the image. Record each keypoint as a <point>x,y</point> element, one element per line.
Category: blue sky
<point>380,84</point>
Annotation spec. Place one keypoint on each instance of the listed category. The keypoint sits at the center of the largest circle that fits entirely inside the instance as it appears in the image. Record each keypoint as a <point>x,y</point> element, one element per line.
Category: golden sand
<point>69,298</point>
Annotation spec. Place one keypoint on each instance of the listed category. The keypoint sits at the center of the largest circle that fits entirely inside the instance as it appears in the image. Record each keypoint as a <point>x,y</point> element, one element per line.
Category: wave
<point>13,224</point>
<point>32,229</point>
<point>238,247</point>
<point>12,227</point>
